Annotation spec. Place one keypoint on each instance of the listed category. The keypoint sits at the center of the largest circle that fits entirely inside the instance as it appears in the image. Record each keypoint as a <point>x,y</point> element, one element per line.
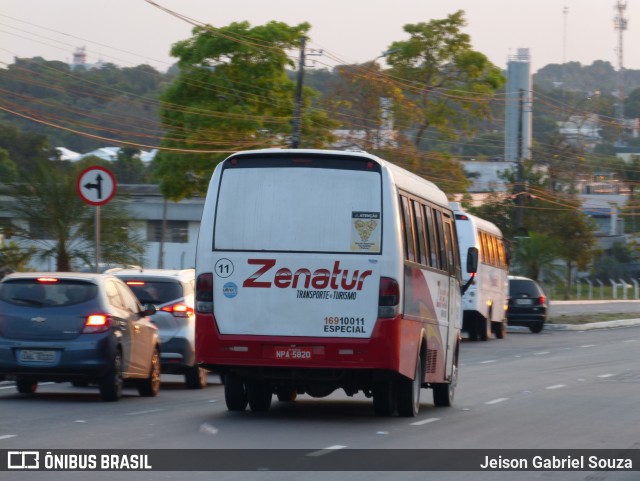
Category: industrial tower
<point>620,24</point>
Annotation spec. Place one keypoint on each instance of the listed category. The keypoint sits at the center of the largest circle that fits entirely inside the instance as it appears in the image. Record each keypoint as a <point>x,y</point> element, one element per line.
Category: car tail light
<point>541,300</point>
<point>96,323</point>
<point>389,298</point>
<point>47,280</point>
<point>178,310</point>
<point>204,293</point>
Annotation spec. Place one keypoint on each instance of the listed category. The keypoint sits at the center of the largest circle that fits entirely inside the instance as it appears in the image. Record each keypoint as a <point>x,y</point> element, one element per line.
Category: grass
<point>589,318</point>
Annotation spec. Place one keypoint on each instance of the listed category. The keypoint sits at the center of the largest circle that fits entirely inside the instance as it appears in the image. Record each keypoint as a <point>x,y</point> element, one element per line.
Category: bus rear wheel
<point>235,393</point>
<point>409,393</point>
<point>384,399</point>
<point>259,396</point>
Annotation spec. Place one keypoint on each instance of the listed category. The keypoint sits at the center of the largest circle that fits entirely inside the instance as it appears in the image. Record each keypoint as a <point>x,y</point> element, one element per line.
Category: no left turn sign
<point>96,185</point>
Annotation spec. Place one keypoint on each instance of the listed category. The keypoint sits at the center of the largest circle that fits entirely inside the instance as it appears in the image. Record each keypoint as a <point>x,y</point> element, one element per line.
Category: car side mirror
<point>148,310</point>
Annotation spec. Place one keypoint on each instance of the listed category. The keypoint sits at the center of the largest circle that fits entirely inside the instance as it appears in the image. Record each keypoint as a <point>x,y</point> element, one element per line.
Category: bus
<point>319,270</point>
<point>485,301</point>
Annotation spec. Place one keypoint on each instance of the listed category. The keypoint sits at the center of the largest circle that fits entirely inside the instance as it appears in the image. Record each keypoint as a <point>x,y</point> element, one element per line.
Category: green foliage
<point>446,80</point>
<point>50,216</point>
<point>14,258</point>
<point>8,169</point>
<point>616,263</point>
<point>232,92</point>
<point>114,101</point>
<point>534,256</point>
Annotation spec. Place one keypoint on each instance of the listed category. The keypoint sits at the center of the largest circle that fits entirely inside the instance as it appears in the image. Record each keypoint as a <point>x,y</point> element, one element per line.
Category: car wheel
<point>384,399</point>
<point>111,384</point>
<point>235,393</point>
<point>537,327</point>
<point>443,393</point>
<point>150,386</point>
<point>259,396</point>
<point>26,385</point>
<point>409,393</point>
<point>195,377</point>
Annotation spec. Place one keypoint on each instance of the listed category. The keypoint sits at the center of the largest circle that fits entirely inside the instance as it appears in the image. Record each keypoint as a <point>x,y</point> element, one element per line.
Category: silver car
<point>172,292</point>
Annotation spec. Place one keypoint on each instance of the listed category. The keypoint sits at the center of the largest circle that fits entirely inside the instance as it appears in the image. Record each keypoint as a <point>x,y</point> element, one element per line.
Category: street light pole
<point>297,121</point>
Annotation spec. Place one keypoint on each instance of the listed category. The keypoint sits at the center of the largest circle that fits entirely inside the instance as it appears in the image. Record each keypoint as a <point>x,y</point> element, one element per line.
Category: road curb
<point>592,325</point>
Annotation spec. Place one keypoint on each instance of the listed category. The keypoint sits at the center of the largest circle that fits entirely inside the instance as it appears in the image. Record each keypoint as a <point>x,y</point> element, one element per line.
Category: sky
<point>133,32</point>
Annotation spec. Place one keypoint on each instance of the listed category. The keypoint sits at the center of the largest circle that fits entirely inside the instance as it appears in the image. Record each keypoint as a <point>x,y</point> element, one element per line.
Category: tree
<point>232,93</point>
<point>447,80</point>
<point>128,168</point>
<point>8,169</point>
<point>535,255</point>
<point>48,213</point>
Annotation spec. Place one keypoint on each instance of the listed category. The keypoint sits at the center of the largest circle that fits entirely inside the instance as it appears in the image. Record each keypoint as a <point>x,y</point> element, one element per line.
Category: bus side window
<point>442,248</point>
<point>419,229</point>
<point>484,249</point>
<point>451,246</point>
<point>432,256</point>
<point>503,256</point>
<point>407,227</point>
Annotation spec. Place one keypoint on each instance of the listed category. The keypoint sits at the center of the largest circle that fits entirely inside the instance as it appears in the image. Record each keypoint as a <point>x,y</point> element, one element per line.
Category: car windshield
<point>50,292</point>
<point>155,292</point>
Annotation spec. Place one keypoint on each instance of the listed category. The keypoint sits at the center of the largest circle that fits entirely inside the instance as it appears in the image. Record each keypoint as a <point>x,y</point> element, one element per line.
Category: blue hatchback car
<point>78,327</point>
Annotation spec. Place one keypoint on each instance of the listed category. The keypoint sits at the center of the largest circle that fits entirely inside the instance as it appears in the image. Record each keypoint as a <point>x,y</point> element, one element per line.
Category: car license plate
<point>295,353</point>
<point>31,355</point>
<point>524,302</point>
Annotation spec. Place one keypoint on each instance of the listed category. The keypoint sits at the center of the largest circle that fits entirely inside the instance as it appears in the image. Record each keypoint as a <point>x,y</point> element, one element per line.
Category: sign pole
<point>97,227</point>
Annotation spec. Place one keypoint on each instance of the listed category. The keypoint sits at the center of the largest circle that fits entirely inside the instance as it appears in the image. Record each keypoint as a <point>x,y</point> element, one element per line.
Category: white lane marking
<point>330,449</point>
<point>630,340</point>
<point>145,412</point>
<point>605,375</point>
<point>589,345</point>
<point>496,401</point>
<point>425,421</point>
<point>541,353</point>
<point>82,421</point>
<point>488,362</point>
<point>208,429</point>
<point>556,386</point>
<point>7,436</point>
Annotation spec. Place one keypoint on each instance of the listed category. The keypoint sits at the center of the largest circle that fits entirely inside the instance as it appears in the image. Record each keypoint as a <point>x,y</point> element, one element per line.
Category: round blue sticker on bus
<point>230,290</point>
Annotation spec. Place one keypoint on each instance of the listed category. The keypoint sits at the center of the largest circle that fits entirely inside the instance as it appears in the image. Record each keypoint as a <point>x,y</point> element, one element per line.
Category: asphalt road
<point>557,389</point>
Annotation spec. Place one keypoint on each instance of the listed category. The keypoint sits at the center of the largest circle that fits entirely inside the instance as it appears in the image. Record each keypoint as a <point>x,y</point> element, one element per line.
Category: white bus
<point>484,302</point>
<point>319,270</point>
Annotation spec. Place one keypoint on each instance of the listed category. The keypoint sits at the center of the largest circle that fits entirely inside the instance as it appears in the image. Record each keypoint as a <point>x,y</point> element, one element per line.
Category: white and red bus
<point>321,270</point>
<point>485,301</point>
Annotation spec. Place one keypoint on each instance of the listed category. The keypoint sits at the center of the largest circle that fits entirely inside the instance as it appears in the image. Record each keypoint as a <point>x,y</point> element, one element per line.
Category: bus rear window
<point>277,207</point>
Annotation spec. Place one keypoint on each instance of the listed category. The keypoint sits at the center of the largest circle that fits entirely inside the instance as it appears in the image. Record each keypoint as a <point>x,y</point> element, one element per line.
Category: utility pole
<point>297,114</point>
<point>520,180</point>
<point>296,126</point>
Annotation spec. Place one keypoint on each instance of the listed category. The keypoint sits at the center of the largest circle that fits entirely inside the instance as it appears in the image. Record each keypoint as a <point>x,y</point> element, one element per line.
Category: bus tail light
<point>389,300</point>
<point>204,293</point>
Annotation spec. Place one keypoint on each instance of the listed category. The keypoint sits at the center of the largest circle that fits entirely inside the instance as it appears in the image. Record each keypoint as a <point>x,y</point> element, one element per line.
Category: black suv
<point>527,304</point>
